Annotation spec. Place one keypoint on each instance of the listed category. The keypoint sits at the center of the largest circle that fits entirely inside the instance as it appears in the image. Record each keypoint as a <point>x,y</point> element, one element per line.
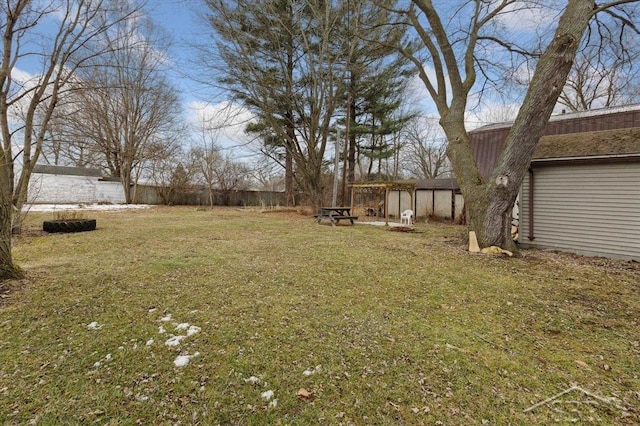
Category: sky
<point>178,18</point>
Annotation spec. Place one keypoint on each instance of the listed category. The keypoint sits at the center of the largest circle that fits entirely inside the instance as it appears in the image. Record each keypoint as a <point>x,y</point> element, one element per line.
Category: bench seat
<point>334,218</point>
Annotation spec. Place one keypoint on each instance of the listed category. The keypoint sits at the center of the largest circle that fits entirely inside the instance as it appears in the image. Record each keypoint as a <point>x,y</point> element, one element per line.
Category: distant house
<point>582,190</point>
<point>60,185</point>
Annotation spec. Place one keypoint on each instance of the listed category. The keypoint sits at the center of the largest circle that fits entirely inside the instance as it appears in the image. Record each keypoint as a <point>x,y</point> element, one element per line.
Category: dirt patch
<point>611,266</point>
<point>401,229</point>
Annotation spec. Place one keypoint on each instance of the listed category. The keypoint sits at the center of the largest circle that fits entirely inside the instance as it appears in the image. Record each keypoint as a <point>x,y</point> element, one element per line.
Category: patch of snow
<point>182,326</point>
<point>193,330</point>
<point>267,395</point>
<point>161,330</point>
<point>253,380</point>
<point>94,326</point>
<point>166,318</point>
<point>93,207</point>
<point>174,341</point>
<point>107,357</point>
<point>273,403</point>
<point>310,371</point>
<point>152,310</point>
<point>182,360</point>
<point>149,342</point>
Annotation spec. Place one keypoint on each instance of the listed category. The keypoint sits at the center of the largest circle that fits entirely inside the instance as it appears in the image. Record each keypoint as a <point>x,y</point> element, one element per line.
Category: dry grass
<point>376,327</point>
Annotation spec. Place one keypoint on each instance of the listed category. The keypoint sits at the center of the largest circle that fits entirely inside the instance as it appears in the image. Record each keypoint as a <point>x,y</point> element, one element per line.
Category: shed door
<point>589,209</point>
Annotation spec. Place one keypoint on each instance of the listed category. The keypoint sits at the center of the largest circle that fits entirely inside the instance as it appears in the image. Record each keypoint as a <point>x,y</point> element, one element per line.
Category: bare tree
<point>206,159</point>
<point>424,154</point>
<point>604,72</point>
<point>125,106</point>
<point>60,37</point>
<point>266,174</point>
<point>166,175</point>
<point>452,70</point>
<point>218,173</point>
<point>231,176</point>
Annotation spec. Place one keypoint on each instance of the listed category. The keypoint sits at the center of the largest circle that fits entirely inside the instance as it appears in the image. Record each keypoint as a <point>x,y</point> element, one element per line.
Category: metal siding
<point>61,189</point>
<point>424,203</point>
<point>393,209</point>
<point>405,203</point>
<point>443,202</point>
<point>523,218</point>
<point>590,209</point>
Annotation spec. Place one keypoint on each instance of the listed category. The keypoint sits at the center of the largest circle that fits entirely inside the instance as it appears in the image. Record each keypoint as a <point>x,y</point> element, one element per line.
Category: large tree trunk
<point>125,178</point>
<point>546,86</point>
<point>289,192</point>
<point>8,270</point>
<point>489,204</point>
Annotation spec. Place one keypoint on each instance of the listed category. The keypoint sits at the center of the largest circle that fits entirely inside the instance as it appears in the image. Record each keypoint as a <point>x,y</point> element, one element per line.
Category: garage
<point>588,206</point>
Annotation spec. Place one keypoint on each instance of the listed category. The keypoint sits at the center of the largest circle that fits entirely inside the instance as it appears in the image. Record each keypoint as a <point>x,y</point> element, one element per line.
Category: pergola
<point>387,186</point>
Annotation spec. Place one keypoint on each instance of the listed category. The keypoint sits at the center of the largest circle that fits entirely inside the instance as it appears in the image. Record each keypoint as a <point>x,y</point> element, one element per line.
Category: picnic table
<point>335,215</point>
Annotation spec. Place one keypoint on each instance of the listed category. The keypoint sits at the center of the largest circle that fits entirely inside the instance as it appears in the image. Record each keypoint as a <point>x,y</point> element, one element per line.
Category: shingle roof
<point>65,170</point>
<point>603,143</point>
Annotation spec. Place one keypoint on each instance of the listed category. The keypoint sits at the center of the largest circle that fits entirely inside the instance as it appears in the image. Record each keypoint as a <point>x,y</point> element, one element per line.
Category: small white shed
<point>439,198</point>
<point>61,185</point>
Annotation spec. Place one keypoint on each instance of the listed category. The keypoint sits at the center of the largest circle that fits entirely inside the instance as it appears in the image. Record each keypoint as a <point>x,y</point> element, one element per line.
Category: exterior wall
<point>459,207</point>
<point>428,202</point>
<point>47,188</point>
<point>424,203</point>
<point>442,204</point>
<point>590,209</point>
<point>394,207</point>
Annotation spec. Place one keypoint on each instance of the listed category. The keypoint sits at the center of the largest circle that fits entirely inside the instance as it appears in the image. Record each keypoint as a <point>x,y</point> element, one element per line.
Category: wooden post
<point>353,190</point>
<point>386,206</point>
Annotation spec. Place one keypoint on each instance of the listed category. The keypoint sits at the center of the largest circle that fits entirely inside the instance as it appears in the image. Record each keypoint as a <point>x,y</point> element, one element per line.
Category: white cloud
<point>530,16</point>
<point>225,120</point>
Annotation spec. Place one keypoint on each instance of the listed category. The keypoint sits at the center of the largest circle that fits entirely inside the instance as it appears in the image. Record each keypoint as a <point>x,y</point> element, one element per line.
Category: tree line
<point>321,79</point>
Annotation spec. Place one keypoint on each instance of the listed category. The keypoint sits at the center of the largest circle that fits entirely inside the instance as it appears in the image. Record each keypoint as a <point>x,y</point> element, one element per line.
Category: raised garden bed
<point>69,225</point>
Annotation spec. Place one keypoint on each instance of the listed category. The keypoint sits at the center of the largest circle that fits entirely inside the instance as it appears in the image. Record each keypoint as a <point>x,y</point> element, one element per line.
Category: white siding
<point>424,202</point>
<point>399,201</point>
<point>61,189</point>
<point>393,209</point>
<point>459,206</point>
<point>427,202</point>
<point>591,209</point>
<point>442,204</point>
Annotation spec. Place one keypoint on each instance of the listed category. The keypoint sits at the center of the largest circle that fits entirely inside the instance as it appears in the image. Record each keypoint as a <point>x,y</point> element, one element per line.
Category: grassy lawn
<point>290,322</point>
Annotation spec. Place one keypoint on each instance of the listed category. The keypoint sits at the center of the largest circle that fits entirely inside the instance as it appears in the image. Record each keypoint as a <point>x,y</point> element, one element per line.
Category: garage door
<point>591,209</point>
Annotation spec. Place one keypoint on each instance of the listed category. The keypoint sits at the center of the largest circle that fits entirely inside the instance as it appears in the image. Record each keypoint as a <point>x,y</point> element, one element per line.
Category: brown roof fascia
<point>594,159</point>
